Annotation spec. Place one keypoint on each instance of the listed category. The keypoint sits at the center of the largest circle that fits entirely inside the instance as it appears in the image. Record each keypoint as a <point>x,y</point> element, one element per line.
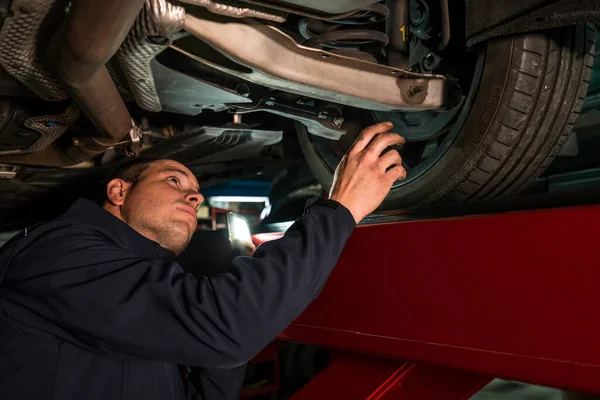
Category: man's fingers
<point>389,159</point>
<point>383,141</point>
<point>397,172</point>
<point>368,134</point>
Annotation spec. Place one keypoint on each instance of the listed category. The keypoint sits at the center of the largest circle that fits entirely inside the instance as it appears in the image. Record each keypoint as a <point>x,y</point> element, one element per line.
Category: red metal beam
<point>510,295</point>
<point>370,378</point>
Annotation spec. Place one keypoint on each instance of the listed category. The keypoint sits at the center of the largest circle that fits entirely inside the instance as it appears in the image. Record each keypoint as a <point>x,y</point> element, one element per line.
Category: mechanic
<point>93,306</point>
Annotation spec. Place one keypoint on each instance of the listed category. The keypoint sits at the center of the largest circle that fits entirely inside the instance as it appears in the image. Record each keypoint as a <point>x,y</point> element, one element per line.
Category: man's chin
<point>178,236</point>
<point>190,222</point>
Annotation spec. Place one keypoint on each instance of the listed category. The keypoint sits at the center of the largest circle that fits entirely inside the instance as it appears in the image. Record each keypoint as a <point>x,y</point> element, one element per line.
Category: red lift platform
<point>435,309</point>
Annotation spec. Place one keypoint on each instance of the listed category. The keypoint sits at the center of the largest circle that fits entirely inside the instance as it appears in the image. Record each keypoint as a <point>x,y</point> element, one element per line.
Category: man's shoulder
<point>84,220</point>
<point>57,245</point>
<point>87,227</point>
<point>80,226</point>
<point>65,234</point>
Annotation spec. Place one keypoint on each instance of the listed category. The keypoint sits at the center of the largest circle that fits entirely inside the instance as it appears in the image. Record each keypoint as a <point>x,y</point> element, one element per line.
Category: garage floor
<point>507,390</point>
<point>500,389</point>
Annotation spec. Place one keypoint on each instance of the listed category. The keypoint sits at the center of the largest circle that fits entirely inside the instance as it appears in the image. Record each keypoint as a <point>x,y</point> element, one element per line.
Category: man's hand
<point>364,177</point>
<point>242,248</point>
<point>250,249</point>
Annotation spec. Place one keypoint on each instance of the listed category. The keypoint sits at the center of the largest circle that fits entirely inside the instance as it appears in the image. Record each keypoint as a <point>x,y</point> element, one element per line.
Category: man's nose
<point>194,198</point>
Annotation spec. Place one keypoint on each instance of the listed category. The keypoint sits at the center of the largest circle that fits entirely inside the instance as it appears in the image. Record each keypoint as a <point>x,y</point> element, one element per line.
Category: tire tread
<point>523,141</point>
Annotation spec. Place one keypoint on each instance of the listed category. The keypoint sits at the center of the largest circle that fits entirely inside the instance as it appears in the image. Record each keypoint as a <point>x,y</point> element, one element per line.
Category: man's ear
<point>116,191</point>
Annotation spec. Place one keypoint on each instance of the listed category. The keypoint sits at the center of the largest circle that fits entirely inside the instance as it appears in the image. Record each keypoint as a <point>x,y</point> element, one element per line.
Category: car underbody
<point>224,86</point>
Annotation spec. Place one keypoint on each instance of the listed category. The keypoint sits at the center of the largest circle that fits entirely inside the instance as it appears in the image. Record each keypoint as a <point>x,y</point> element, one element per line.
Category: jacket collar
<point>91,213</point>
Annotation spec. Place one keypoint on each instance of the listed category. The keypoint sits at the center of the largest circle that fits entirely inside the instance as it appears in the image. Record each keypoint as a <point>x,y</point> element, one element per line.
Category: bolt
<point>337,121</point>
<point>414,90</point>
<point>429,62</point>
<point>237,118</point>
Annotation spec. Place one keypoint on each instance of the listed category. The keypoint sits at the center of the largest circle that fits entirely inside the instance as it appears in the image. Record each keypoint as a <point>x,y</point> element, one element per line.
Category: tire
<point>531,92</point>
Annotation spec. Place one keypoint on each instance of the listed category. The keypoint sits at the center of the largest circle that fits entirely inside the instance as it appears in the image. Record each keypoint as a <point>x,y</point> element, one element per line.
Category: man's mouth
<point>188,210</point>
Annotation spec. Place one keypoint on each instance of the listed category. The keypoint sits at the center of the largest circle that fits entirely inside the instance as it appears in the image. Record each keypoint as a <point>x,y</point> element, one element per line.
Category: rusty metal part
<point>278,62</point>
<point>233,9</point>
<point>50,128</point>
<point>27,25</point>
<point>78,52</point>
<point>152,33</point>
<point>397,26</point>
<point>445,11</point>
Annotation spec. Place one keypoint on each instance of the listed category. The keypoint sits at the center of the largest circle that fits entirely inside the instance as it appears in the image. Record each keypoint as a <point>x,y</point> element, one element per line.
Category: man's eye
<point>173,179</point>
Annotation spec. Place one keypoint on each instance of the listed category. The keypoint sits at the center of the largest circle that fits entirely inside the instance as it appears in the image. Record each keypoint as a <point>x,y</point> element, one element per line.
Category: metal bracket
<point>273,59</point>
<point>135,137</point>
<point>322,123</point>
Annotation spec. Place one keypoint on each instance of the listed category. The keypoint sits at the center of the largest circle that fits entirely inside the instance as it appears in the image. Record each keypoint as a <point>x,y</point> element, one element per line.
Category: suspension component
<point>445,24</point>
<point>275,60</point>
<point>320,122</point>
<point>350,35</point>
<point>397,26</point>
<point>421,25</point>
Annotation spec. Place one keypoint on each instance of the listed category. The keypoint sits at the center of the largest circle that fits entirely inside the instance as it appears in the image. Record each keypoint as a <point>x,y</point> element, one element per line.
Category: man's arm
<point>117,302</point>
<point>111,299</point>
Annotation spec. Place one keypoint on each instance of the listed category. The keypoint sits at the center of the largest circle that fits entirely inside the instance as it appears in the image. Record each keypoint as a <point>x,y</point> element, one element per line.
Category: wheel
<point>524,97</point>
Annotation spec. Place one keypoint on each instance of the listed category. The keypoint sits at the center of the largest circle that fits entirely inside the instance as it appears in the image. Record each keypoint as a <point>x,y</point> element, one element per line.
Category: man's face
<point>162,206</point>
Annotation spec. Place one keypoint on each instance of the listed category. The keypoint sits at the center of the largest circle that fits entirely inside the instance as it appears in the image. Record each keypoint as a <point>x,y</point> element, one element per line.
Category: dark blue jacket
<point>90,309</point>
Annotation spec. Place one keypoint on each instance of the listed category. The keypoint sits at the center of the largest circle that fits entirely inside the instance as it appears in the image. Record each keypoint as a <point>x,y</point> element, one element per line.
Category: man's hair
<point>130,172</point>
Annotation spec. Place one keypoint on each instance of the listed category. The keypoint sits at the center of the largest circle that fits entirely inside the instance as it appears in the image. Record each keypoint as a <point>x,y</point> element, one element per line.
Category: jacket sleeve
<point>115,301</point>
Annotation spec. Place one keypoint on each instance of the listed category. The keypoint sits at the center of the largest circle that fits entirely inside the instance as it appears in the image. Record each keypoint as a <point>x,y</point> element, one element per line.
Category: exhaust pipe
<point>78,52</point>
